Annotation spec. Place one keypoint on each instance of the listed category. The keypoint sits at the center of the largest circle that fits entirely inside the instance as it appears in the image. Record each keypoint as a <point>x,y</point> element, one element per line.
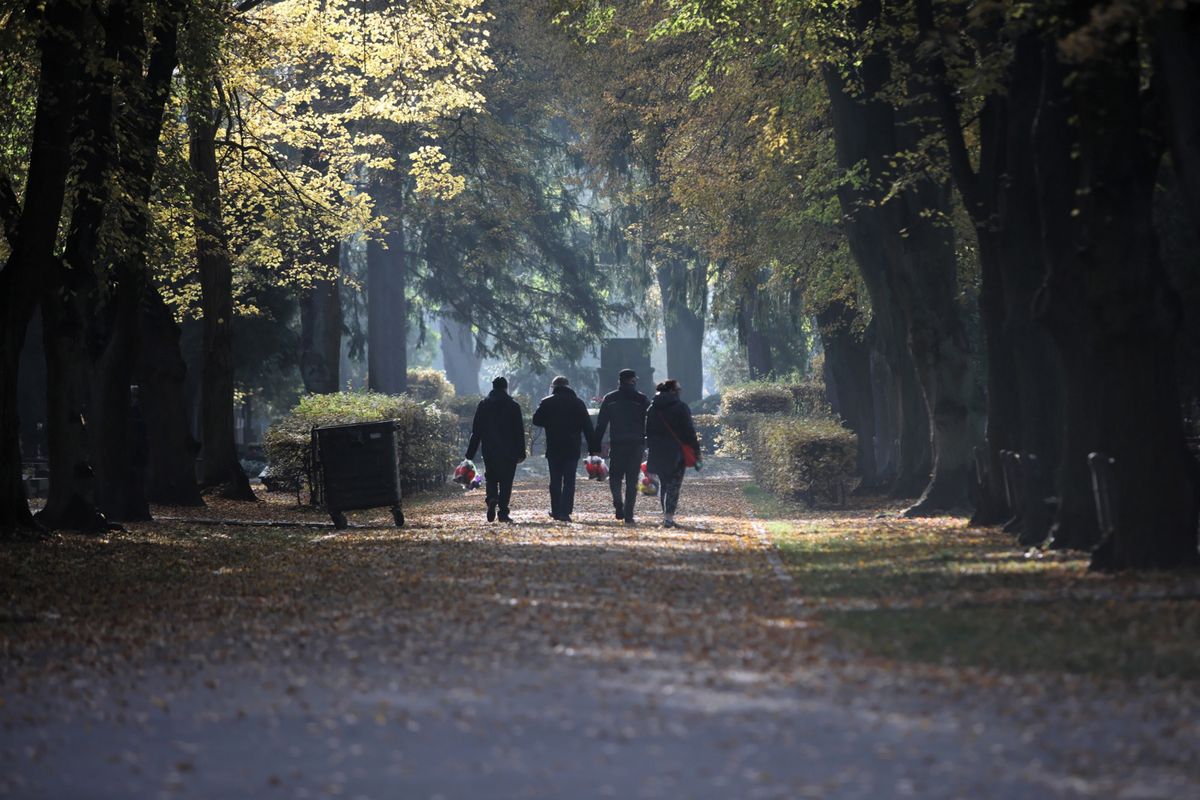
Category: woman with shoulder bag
<point>671,437</point>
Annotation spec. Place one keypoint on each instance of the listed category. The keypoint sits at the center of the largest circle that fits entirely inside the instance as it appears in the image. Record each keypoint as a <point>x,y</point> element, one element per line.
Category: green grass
<point>935,591</point>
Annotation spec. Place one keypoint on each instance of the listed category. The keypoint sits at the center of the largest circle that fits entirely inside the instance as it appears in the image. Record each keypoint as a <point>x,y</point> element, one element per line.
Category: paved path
<point>457,659</point>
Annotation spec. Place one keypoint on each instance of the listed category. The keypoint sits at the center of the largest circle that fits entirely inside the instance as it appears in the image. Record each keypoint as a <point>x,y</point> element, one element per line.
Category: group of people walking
<point>634,425</point>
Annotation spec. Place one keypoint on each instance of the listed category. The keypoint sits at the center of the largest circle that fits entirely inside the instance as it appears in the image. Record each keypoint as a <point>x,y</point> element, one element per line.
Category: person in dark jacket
<point>625,411</point>
<point>566,420</point>
<point>668,425</point>
<point>500,428</point>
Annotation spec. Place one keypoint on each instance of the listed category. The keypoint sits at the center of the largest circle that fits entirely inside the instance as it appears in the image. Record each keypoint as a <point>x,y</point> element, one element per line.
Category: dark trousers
<point>562,485</point>
<point>498,475</point>
<point>624,464</point>
<point>668,489</point>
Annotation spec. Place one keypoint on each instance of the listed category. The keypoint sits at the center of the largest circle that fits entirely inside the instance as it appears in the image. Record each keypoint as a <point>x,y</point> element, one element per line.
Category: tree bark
<point>1110,309</point>
<point>683,326</point>
<point>387,314</point>
<point>71,287</point>
<point>848,363</point>
<point>458,355</point>
<point>1177,62</point>
<point>121,451</point>
<point>219,453</point>
<point>321,327</point>
<point>908,259</point>
<point>170,449</point>
<point>758,348</point>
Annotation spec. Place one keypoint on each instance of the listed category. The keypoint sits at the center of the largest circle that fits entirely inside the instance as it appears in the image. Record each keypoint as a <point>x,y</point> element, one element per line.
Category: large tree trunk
<point>1112,313</point>
<point>221,466</point>
<point>1003,406</point>
<point>848,363</point>
<point>458,355</point>
<point>321,327</point>
<point>758,347</point>
<point>1177,63</point>
<point>683,326</point>
<point>1023,397</point>
<point>121,451</point>
<point>70,289</point>
<point>387,314</point>
<point>171,451</point>
<point>916,268</point>
<point>36,232</point>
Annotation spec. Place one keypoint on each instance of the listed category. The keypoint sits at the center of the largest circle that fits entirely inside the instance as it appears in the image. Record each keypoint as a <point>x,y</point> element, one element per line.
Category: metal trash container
<point>359,467</point>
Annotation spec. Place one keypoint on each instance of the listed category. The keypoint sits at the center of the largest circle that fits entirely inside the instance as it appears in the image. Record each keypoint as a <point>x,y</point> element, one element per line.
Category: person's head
<point>627,376</point>
<point>560,382</point>
<point>669,385</point>
<point>500,383</point>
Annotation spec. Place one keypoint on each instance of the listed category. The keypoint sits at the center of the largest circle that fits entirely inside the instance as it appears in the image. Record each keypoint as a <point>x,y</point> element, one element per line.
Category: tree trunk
<point>387,314</point>
<point>908,259</point>
<point>70,289</point>
<point>221,466</point>
<point>1111,312</point>
<point>758,348</point>
<point>458,355</point>
<point>171,451</point>
<point>121,451</point>
<point>1177,62</point>
<point>120,446</point>
<point>321,327</point>
<point>848,363</point>
<point>1003,406</point>
<point>36,232</point>
<point>683,326</point>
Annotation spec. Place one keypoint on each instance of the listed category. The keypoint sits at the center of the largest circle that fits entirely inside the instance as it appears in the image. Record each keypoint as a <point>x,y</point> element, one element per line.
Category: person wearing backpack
<point>500,428</point>
<point>625,411</point>
<point>567,422</point>
<point>674,446</point>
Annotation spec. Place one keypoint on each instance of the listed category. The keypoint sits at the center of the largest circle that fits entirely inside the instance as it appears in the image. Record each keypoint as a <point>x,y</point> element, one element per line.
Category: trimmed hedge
<point>430,386</point>
<point>708,429</point>
<point>801,458</point>
<point>806,399</point>
<point>757,398</point>
<point>809,399</point>
<point>427,435</point>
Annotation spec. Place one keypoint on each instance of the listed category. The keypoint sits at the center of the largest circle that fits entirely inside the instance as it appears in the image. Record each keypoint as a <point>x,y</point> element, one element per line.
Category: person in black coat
<point>668,426</point>
<point>625,411</point>
<point>500,428</point>
<point>566,420</point>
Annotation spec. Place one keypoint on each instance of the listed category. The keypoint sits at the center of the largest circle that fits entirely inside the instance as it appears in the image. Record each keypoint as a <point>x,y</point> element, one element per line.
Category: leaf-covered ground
<point>455,658</point>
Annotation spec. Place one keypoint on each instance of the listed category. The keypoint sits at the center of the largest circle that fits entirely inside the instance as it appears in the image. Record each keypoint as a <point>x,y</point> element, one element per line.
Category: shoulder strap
<point>667,425</point>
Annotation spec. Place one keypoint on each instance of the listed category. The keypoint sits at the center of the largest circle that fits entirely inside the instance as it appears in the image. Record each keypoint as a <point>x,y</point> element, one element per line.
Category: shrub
<point>463,405</point>
<point>808,399</point>
<point>732,440</point>
<point>799,458</point>
<point>805,399</point>
<point>426,434</point>
<point>757,398</point>
<point>430,386</point>
<point>708,429</point>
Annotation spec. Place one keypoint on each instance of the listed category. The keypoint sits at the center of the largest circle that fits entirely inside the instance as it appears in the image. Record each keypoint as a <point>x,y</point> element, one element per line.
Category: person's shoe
<point>565,518</point>
<point>629,521</point>
<point>668,522</point>
<point>620,512</point>
<point>491,513</point>
<point>504,517</point>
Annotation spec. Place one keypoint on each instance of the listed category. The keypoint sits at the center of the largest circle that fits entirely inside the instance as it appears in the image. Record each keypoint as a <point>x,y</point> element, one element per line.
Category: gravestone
<point>619,354</point>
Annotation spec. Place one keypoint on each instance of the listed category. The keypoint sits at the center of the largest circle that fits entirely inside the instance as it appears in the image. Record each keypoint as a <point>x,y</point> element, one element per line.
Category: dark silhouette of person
<point>500,428</point>
<point>668,424</point>
<point>566,420</point>
<point>625,411</point>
